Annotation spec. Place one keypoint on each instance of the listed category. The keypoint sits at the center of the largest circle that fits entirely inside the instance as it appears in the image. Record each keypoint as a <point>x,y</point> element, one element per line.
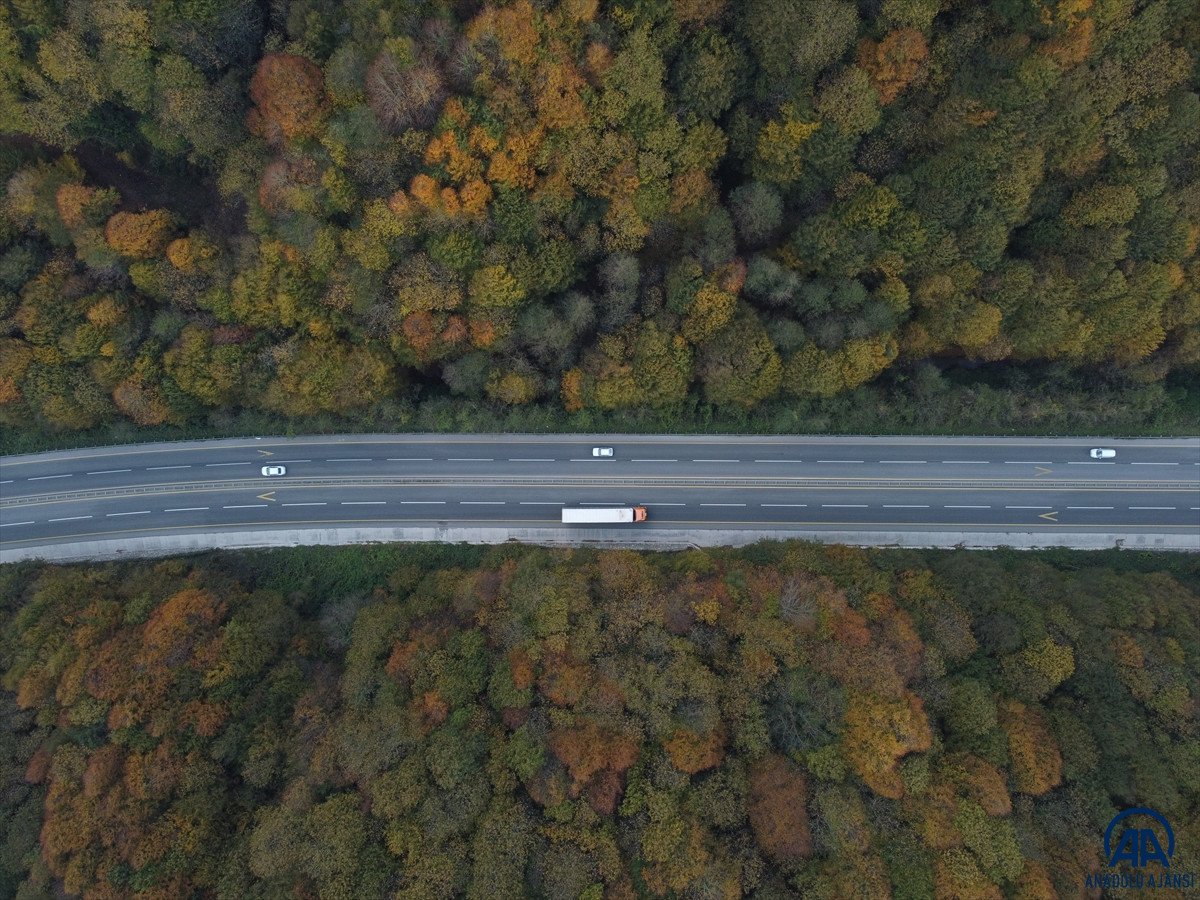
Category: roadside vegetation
<point>672,214</point>
<point>416,721</point>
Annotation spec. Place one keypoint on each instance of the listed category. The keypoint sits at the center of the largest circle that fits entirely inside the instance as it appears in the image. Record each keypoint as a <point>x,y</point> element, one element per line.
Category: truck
<point>610,515</point>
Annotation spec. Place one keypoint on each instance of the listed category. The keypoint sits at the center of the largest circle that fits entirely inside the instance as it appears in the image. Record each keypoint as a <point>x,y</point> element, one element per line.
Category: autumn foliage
<point>287,91</point>
<point>480,720</point>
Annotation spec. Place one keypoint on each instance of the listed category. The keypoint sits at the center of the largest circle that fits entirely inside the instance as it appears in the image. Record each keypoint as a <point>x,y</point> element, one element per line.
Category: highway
<point>786,485</point>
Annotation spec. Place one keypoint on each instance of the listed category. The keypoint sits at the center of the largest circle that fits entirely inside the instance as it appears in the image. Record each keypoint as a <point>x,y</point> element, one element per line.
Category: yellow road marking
<point>1050,516</point>
<point>1041,470</point>
<point>266,452</point>
<point>269,495</point>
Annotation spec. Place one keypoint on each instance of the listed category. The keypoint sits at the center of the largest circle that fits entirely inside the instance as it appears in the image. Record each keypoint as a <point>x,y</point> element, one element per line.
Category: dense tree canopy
<point>584,205</point>
<point>786,720</point>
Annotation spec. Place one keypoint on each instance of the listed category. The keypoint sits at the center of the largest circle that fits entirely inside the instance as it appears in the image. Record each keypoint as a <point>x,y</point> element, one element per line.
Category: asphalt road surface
<point>785,484</point>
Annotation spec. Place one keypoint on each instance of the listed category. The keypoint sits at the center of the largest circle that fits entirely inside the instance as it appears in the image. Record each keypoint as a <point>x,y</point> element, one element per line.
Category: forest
<point>364,210</point>
<point>415,721</point>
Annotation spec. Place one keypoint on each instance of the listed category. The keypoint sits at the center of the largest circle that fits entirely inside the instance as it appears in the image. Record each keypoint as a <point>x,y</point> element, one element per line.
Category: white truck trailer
<point>611,515</point>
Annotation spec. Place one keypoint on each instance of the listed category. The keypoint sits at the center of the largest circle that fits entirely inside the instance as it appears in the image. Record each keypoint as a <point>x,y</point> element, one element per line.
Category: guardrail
<point>501,481</point>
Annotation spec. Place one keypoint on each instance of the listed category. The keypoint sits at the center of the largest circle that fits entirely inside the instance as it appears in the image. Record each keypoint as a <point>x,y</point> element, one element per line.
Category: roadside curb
<point>658,539</point>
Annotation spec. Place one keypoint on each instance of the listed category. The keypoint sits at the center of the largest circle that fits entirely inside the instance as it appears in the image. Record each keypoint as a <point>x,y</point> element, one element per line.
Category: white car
<point>1103,453</point>
<point>602,451</point>
<point>273,470</point>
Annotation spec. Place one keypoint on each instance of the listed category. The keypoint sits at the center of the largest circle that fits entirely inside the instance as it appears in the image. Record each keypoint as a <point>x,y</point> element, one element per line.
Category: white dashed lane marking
<point>844,505</point>
<point>1089,507</point>
<point>44,477</point>
<point>481,502</point>
<point>363,502</point>
<point>410,459</point>
<point>905,506</point>
<point>965,506</point>
<point>109,471</point>
<point>215,465</point>
<point>70,518</point>
<point>160,468</point>
<point>245,506</point>
<point>139,512</point>
<point>188,509</point>
<point>11,524</point>
<point>897,462</point>
<point>350,459</point>
<point>305,504</point>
